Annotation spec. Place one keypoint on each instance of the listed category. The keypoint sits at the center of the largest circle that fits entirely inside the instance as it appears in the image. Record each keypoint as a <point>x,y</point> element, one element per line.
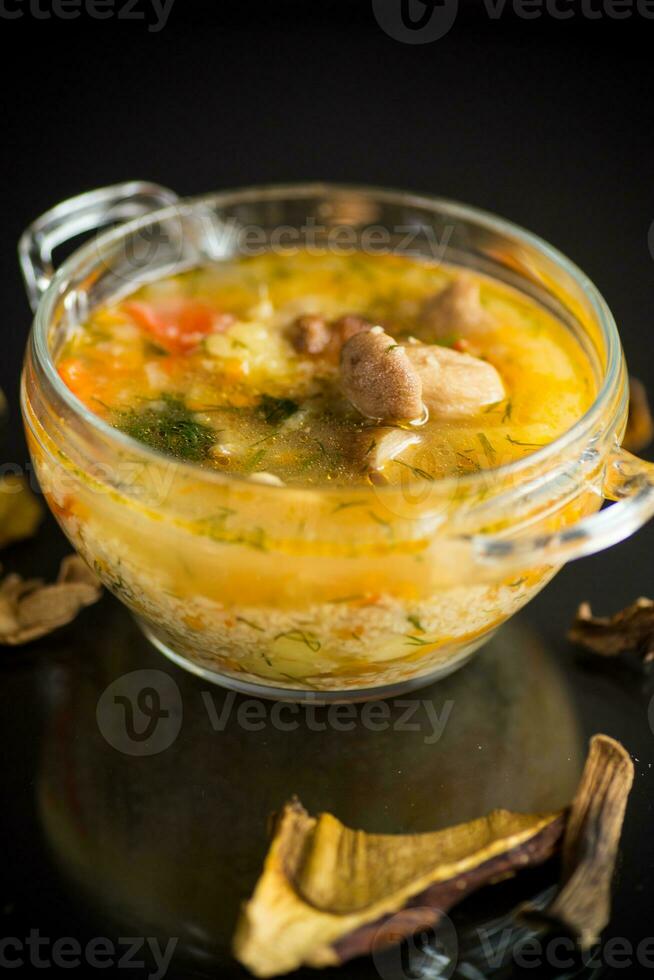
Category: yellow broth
<point>203,366</point>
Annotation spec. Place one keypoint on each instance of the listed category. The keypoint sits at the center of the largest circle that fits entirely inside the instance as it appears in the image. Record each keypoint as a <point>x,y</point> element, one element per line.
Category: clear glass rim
<point>443,206</point>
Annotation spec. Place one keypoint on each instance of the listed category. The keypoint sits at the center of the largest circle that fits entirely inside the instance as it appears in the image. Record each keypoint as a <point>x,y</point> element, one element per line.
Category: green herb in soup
<point>166,424</point>
<point>315,369</point>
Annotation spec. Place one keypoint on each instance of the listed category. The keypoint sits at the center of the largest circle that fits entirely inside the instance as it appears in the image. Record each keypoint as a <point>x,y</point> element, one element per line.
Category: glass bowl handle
<point>627,480</point>
<point>76,216</point>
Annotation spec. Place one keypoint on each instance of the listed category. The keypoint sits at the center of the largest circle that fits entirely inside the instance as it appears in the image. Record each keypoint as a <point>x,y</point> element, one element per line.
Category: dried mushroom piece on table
<point>629,631</point>
<point>582,906</point>
<point>640,425</point>
<point>29,608</point>
<point>325,889</point>
<point>20,511</point>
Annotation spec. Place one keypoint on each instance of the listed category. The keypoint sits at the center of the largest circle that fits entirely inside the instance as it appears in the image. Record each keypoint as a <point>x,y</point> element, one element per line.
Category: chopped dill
<point>266,438</point>
<point>422,474</point>
<point>346,504</point>
<point>255,459</point>
<point>472,463</point>
<point>529,445</point>
<point>276,410</point>
<point>222,514</point>
<point>301,636</point>
<point>242,619</point>
<point>416,622</point>
<point>256,540</point>
<point>168,426</point>
<point>379,520</point>
<point>487,446</point>
<point>150,349</point>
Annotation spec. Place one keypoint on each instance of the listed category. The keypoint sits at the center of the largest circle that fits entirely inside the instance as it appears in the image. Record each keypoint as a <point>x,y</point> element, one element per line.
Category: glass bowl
<point>323,594</point>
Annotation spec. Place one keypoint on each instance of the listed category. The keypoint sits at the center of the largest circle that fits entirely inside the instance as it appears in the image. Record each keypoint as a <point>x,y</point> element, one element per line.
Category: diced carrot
<point>178,325</point>
<point>79,378</point>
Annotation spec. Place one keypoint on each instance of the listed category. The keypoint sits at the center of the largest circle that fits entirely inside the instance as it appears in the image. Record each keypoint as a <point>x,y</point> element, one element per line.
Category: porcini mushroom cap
<point>378,379</point>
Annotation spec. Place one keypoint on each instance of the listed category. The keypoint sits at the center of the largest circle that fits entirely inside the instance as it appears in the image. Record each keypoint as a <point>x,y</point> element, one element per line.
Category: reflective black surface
<point>138,796</point>
<point>164,841</point>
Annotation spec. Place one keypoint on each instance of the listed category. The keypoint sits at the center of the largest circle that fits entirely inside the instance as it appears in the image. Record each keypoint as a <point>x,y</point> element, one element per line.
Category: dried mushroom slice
<point>20,511</point>
<point>582,907</point>
<point>629,631</point>
<point>640,425</point>
<point>325,889</point>
<point>30,609</point>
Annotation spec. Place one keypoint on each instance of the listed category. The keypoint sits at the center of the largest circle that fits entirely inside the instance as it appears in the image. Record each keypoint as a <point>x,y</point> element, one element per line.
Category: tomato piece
<point>178,325</point>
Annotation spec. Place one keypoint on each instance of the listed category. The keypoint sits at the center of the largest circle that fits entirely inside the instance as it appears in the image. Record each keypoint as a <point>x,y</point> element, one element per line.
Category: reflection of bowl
<point>239,581</point>
<point>170,844</point>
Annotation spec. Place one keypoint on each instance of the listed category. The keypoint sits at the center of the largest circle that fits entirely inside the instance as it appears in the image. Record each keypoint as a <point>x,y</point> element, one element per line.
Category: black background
<point>549,123</point>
